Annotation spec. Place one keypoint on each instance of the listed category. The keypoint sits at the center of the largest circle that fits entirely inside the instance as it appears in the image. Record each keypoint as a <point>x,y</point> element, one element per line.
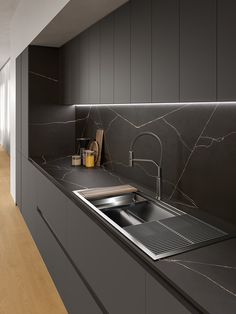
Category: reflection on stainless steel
<point>158,229</point>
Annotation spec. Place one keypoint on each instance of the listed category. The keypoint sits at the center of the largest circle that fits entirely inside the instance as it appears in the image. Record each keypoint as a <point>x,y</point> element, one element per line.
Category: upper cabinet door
<point>140,51</point>
<point>165,51</point>
<point>94,64</point>
<point>83,89</point>
<point>122,55</point>
<point>107,59</point>
<point>226,50</point>
<point>197,50</point>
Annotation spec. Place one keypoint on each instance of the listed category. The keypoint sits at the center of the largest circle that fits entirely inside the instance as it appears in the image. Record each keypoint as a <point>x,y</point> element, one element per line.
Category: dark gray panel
<point>141,51</point>
<point>226,50</point>
<point>83,67</point>
<point>18,178</point>
<point>197,50</point>
<point>75,66</point>
<point>117,279</point>
<point>94,64</point>
<point>28,205</point>
<point>18,103</point>
<point>70,287</point>
<point>24,103</point>
<point>122,55</point>
<point>65,73</point>
<point>165,51</point>
<point>107,59</point>
<point>159,299</point>
<point>52,204</point>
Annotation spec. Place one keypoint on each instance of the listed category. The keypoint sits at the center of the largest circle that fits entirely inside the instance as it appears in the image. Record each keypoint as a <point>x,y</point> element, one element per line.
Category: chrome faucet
<point>132,160</point>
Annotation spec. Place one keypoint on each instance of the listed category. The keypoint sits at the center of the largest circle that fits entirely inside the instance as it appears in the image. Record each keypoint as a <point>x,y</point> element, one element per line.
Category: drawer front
<point>117,279</point>
<point>72,290</point>
<point>52,203</point>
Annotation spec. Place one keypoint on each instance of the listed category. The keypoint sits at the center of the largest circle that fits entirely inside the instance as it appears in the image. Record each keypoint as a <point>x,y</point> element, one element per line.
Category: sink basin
<point>158,229</point>
<point>136,211</point>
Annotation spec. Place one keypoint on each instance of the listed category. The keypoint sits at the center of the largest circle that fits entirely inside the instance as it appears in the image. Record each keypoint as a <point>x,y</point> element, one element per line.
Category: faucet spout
<point>132,160</point>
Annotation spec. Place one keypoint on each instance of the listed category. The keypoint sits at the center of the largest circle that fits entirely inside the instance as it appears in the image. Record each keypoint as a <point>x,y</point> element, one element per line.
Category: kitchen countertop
<point>205,276</point>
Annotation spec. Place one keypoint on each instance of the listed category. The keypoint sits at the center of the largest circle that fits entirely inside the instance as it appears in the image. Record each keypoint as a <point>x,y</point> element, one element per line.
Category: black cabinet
<point>141,51</point>
<point>52,203</point>
<point>28,201</point>
<point>226,50</point>
<point>18,178</point>
<point>197,50</point>
<point>94,65</point>
<point>122,54</point>
<point>117,279</point>
<point>83,87</point>
<point>159,299</point>
<point>72,290</point>
<point>106,59</point>
<point>165,51</point>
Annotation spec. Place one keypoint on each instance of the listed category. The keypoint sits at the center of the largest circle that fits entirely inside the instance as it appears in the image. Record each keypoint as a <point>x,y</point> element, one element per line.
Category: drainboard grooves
<point>157,238</point>
<point>192,229</point>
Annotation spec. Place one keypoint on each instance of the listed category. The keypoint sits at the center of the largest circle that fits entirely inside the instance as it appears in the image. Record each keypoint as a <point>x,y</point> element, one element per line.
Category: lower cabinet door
<point>116,278</point>
<point>18,179</point>
<point>160,300</point>
<point>28,195</point>
<point>71,288</point>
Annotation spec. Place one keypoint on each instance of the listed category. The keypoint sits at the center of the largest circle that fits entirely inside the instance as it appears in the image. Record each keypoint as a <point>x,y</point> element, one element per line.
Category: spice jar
<point>89,159</point>
<point>76,160</point>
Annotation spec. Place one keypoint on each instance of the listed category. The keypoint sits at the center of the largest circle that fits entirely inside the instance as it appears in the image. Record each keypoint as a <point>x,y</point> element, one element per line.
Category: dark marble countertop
<point>205,276</point>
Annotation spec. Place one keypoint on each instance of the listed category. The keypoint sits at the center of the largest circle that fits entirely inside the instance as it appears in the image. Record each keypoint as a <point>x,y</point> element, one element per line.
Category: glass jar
<point>89,158</point>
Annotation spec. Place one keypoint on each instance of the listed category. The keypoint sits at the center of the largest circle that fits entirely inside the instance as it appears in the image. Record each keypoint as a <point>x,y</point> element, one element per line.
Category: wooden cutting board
<point>107,191</point>
<point>99,140</point>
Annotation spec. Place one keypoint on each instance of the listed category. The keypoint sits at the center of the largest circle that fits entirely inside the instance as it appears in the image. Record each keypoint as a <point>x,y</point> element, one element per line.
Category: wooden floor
<point>25,284</point>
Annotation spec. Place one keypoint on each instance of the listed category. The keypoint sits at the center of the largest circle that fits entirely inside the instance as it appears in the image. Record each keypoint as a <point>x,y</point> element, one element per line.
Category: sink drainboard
<point>174,235</point>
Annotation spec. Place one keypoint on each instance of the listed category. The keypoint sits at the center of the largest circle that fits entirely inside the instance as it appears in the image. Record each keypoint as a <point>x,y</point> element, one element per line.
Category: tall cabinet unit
<point>197,50</point>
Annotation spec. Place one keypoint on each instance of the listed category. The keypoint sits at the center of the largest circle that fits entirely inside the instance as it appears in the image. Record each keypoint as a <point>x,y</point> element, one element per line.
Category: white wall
<point>30,18</point>
<point>5,106</point>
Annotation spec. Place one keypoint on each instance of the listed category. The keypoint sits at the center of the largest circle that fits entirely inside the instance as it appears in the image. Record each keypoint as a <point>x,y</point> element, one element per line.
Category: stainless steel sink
<point>132,209</point>
<point>158,229</point>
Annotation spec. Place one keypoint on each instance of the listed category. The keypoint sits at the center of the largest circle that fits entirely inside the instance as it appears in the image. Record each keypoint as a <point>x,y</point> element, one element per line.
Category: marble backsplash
<point>197,151</point>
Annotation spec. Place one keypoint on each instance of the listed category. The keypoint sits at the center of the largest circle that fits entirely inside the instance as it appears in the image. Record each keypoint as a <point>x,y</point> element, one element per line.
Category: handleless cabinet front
<point>117,279</point>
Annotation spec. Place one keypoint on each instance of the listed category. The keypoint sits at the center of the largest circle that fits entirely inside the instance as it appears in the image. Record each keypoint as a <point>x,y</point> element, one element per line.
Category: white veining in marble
<point>205,276</point>
<point>193,150</point>
<point>178,134</point>
<point>44,76</point>
<point>214,140</point>
<point>201,263</point>
<point>146,123</point>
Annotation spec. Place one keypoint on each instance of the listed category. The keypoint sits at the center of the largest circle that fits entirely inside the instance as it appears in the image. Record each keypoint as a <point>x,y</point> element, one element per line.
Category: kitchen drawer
<point>72,290</point>
<point>52,202</point>
<point>28,195</point>
<point>117,279</point>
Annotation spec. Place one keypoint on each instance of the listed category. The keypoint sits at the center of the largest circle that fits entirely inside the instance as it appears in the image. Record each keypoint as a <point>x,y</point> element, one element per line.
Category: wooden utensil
<point>99,140</point>
<point>94,146</point>
<point>107,191</point>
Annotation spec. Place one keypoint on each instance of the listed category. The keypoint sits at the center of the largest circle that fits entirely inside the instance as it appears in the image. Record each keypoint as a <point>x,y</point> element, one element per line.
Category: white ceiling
<point>75,17</point>
<point>7,9</point>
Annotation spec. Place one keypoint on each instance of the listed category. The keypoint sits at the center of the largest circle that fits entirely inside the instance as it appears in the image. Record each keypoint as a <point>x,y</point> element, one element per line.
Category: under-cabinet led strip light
<point>161,104</point>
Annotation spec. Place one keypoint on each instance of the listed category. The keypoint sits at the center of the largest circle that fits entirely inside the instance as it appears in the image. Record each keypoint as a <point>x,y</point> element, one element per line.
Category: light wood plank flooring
<point>25,284</point>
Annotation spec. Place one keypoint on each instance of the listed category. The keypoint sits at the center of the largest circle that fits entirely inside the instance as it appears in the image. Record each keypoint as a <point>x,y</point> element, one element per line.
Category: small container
<point>90,159</point>
<point>76,160</point>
